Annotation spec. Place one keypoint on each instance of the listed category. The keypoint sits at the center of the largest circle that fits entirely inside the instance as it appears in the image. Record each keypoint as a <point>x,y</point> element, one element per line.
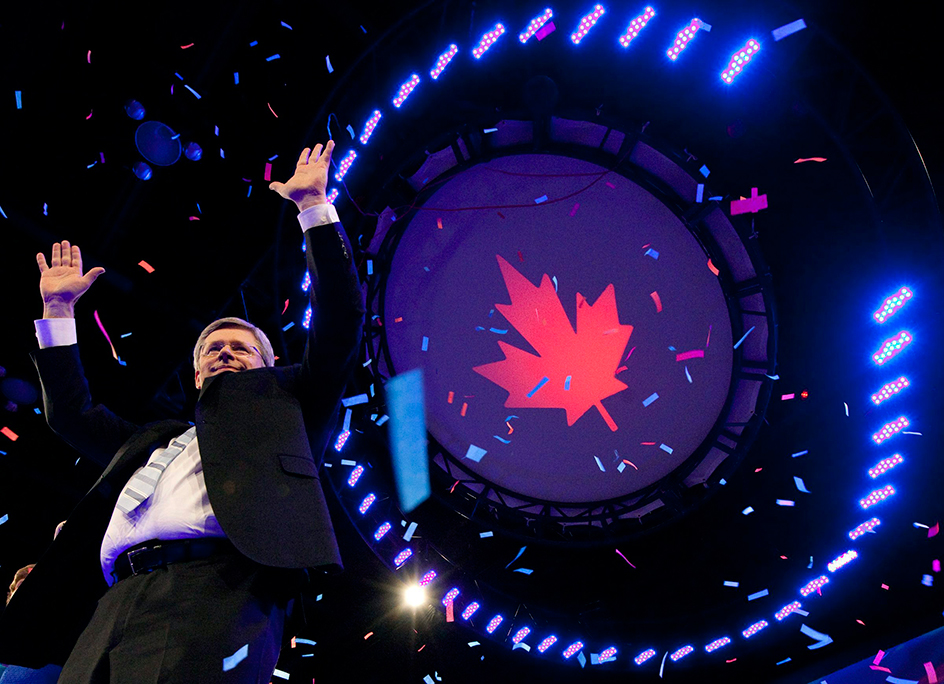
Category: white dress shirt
<point>179,508</point>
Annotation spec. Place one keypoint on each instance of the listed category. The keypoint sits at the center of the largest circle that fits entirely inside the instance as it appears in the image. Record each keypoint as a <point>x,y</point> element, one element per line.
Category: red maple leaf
<point>573,370</point>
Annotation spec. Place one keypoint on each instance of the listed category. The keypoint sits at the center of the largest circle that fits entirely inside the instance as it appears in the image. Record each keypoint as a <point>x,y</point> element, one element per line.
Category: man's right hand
<point>61,282</point>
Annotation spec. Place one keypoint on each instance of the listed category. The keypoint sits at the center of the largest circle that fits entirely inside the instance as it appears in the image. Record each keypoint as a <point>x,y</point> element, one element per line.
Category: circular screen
<point>573,351</point>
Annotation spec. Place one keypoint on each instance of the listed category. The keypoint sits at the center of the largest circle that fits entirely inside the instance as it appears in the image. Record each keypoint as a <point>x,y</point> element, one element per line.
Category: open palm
<point>310,181</point>
<point>61,280</point>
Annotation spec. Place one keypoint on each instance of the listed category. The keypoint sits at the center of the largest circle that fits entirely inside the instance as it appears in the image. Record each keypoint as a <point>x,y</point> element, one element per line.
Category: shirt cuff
<point>318,215</point>
<point>55,332</point>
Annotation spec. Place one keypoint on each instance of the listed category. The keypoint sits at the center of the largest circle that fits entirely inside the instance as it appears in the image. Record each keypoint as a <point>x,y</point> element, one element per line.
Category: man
<point>193,558</point>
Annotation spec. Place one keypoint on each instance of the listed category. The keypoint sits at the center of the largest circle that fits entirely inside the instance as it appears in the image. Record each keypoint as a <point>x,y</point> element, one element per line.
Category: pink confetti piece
<point>621,369</point>
<point>932,673</point>
<point>885,587</point>
<point>268,172</point>
<point>272,110</point>
<point>102,155</point>
<point>610,185</point>
<point>932,532</point>
<point>694,354</point>
<point>146,266</point>
<point>545,31</point>
<point>629,354</point>
<point>520,258</point>
<point>574,210</point>
<point>936,565</point>
<point>285,308</point>
<point>90,114</point>
<point>7,432</point>
<point>879,667</point>
<point>101,327</point>
<point>184,47</point>
<point>751,205</point>
<point>88,57</point>
<point>194,218</point>
<point>450,612</point>
<point>439,223</point>
<point>713,268</point>
<point>625,558</point>
<point>631,463</point>
<point>657,300</point>
<point>810,159</point>
<point>787,397</point>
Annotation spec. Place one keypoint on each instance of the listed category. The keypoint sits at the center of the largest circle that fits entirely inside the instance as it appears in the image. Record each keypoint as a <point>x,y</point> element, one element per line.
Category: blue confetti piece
<point>890,679</point>
<point>178,76</point>
<point>475,453</point>
<point>485,535</point>
<point>524,571</point>
<point>800,453</point>
<point>425,343</point>
<point>19,99</point>
<point>800,484</point>
<point>254,43</point>
<point>273,157</point>
<point>408,438</point>
<point>250,191</point>
<point>788,29</point>
<point>370,267</point>
<point>732,584</point>
<point>3,212</point>
<point>542,198</point>
<point>363,29</point>
<point>490,130</point>
<point>520,551</point>
<point>491,312</point>
<point>760,594</point>
<point>122,363</point>
<point>299,640</point>
<point>785,502</point>
<point>700,193</point>
<point>328,63</point>
<point>672,349</point>
<point>479,327</point>
<point>567,382</point>
<point>350,130</point>
<point>582,658</point>
<point>290,324</point>
<point>37,411</point>
<point>236,77</point>
<point>738,344</point>
<point>4,518</point>
<point>91,165</point>
<point>704,171</point>
<point>716,198</point>
<point>195,93</point>
<point>555,283</point>
<point>748,510</point>
<point>785,660</point>
<point>687,374</point>
<point>653,253</point>
<point>355,400</point>
<point>273,57</point>
<point>541,384</point>
<point>289,28</point>
<point>496,330</point>
<point>599,463</point>
<point>666,448</point>
<point>509,418</point>
<point>651,398</point>
<point>505,441</point>
<point>45,209</point>
<point>232,661</point>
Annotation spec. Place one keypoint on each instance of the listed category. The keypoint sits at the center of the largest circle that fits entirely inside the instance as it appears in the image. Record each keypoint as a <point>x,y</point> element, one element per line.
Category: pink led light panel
<point>493,624</point>
<point>535,25</point>
<point>864,528</point>
<point>717,643</point>
<point>345,164</point>
<point>520,635</point>
<point>443,61</point>
<point>487,41</point>
<point>402,556</point>
<point>607,653</point>
<point>635,26</point>
<point>356,473</point>
<point>427,578</point>
<point>892,347</point>
<point>405,90</point>
<point>587,23</point>
<point>369,126</point>
<point>450,596</point>
<point>754,629</point>
<point>890,429</point>
<point>332,196</point>
<point>470,610</point>
<point>382,530</point>
<point>681,653</point>
<point>739,61</point>
<point>644,656</point>
<point>573,648</point>
<point>306,282</point>
<point>890,389</point>
<point>547,643</point>
<point>892,304</point>
<point>306,319</point>
<point>365,504</point>
<point>682,39</point>
<point>786,610</point>
<point>876,496</point>
<point>842,560</point>
<point>884,465</point>
<point>814,585</point>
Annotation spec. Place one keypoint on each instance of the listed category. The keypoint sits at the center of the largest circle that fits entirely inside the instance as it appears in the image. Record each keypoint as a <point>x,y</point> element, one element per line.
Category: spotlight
<point>414,596</point>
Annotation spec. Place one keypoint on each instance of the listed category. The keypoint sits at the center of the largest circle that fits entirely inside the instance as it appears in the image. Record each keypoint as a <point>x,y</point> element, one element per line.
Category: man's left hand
<point>308,185</point>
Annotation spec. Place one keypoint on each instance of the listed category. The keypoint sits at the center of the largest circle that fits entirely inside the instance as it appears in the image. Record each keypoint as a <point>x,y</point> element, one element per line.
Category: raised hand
<point>61,282</point>
<point>308,185</point>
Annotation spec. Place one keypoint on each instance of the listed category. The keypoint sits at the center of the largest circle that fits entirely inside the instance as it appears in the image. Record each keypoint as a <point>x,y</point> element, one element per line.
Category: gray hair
<point>265,347</point>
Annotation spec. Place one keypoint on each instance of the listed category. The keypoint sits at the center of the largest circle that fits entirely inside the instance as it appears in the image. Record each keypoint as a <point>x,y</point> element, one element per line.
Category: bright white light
<point>414,596</point>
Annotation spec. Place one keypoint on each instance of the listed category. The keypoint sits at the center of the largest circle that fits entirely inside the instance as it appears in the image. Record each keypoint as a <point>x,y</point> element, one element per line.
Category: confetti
<point>621,467</point>
<point>368,635</point>
<point>408,438</point>
<point>425,346</point>
<point>490,130</point>
<point>232,661</point>
<point>286,26</point>
<point>105,333</point>
<point>524,571</point>
<point>694,354</point>
<point>146,266</point>
<point>936,565</point>
<point>273,114</point>
<point>574,210</point>
<point>439,223</point>
<point>195,93</point>
<point>652,253</point>
<point>713,268</point>
<point>732,584</point>
<point>599,463</point>
<point>484,535</point>
<point>497,331</point>
<point>666,448</point>
<point>328,63</point>
<point>463,409</point>
<point>787,397</point>
<point>748,510</point>
<point>288,326</point>
<point>539,200</point>
<point>787,30</point>
<point>354,400</point>
<point>567,382</point>
<point>704,171</point>
<point>932,673</point>
<point>800,453</point>
<point>932,532</point>
<point>450,612</point>
<point>756,595</point>
<point>810,159</point>
<point>541,384</point>
<point>19,99</point>
<point>700,193</point>
<point>738,343</point>
<point>658,302</point>
<point>610,185</point>
<point>821,639</point>
<point>451,396</point>
<point>475,453</point>
<point>899,680</point>
<point>847,408</point>
<point>503,441</point>
<point>408,535</point>
<point>651,398</point>
<point>4,518</point>
<point>687,374</point>
<point>545,31</point>
<point>520,551</point>
<point>752,205</point>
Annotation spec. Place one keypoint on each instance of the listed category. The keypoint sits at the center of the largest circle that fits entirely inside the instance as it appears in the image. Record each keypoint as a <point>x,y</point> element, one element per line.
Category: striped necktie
<point>142,485</point>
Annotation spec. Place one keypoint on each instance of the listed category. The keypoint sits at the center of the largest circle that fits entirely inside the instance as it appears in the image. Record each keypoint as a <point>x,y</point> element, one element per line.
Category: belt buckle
<point>137,552</point>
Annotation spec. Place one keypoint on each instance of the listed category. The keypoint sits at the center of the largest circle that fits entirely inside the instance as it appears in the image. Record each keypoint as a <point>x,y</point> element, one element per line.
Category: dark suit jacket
<point>261,433</point>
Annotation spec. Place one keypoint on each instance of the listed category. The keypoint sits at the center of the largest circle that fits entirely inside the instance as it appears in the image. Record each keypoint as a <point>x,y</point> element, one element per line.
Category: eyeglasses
<point>236,348</point>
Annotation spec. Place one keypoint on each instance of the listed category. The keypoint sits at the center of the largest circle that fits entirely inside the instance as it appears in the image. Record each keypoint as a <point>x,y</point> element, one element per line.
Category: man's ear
<point>197,380</point>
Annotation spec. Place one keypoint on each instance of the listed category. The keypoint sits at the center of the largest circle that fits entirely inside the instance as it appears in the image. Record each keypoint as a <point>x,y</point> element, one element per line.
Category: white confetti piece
<point>748,510</point>
<point>785,502</point>
<point>355,400</point>
<point>475,453</point>
<point>800,485</point>
<point>348,462</point>
<point>232,661</point>
<point>599,463</point>
<point>788,29</point>
<point>280,673</point>
<point>759,594</point>
<point>821,639</point>
<point>732,584</point>
<point>700,193</point>
<point>485,535</point>
<point>621,467</point>
<point>408,535</point>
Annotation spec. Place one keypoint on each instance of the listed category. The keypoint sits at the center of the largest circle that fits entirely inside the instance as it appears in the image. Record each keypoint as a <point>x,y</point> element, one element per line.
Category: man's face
<point>228,350</point>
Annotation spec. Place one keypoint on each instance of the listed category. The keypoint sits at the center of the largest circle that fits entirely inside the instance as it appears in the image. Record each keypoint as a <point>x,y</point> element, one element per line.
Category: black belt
<point>159,553</point>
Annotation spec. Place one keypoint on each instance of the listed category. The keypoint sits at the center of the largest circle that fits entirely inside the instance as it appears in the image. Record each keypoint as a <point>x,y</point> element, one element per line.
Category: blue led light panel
<point>382,530</point>
<point>470,610</point>
<point>535,25</point>
<point>644,656</point>
<point>810,587</point>
<point>890,430</point>
<point>443,61</point>
<point>892,304</point>
<point>573,649</point>
<point>681,653</point>
<point>754,629</point>
<point>739,61</point>
<point>356,473</point>
<point>682,39</point>
<point>402,557</point>
<point>547,643</point>
<point>450,596</point>
<point>345,165</point>
<point>787,610</point>
<point>892,347</point>
<point>635,26</point>
<point>369,126</point>
<point>493,624</point>
<point>890,389</point>
<point>427,578</point>
<point>488,39</point>
<point>406,88</point>
<point>884,465</point>
<point>842,560</point>
<point>717,643</point>
<point>587,22</point>
<point>607,653</point>
<point>877,496</point>
<point>366,503</point>
<point>520,635</point>
<point>332,196</point>
<point>864,528</point>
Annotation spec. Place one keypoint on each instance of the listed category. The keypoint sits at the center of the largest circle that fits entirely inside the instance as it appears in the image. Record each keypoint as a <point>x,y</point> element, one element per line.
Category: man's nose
<point>226,353</point>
